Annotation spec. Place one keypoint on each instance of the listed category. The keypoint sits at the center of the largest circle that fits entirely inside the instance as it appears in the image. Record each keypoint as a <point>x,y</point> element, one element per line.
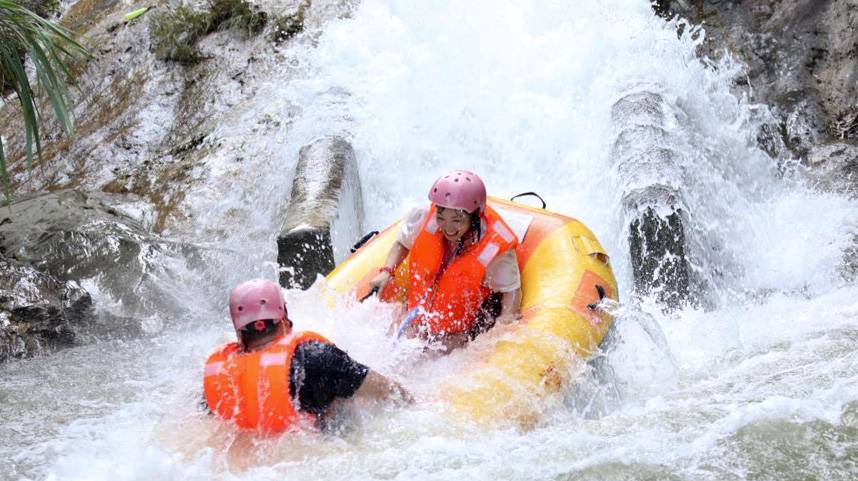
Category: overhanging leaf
<point>48,46</point>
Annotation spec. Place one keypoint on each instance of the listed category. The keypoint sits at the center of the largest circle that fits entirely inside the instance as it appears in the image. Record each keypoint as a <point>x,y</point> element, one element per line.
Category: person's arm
<point>510,307</point>
<point>377,387</point>
<point>503,276</point>
<point>322,375</point>
<point>394,258</point>
<point>408,231</point>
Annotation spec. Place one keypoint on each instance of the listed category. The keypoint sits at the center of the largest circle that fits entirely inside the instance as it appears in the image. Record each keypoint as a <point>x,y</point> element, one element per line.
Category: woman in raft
<point>462,269</point>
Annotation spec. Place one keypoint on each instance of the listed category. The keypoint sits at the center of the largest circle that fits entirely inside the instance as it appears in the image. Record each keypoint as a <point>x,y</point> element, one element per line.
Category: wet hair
<point>259,329</point>
<point>476,221</point>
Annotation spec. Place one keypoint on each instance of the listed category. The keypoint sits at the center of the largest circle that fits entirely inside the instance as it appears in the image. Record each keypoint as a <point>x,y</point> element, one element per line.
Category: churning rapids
<point>762,384</point>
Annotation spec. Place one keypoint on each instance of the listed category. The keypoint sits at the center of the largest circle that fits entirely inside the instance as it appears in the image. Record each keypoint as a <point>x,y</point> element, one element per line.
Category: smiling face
<point>454,223</point>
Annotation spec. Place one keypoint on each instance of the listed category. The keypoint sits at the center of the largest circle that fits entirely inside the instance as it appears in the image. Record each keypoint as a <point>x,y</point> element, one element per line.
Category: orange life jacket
<point>450,299</point>
<point>252,388</point>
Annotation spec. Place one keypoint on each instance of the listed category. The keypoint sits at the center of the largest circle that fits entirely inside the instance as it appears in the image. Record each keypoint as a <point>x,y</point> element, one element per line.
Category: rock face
<point>325,214</point>
<point>154,128</point>
<point>38,312</point>
<point>802,62</point>
<point>801,57</point>
<point>50,230</point>
<point>80,237</point>
<point>834,168</point>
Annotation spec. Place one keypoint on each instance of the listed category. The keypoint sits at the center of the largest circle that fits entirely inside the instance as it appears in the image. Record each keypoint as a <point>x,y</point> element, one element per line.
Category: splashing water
<point>762,386</point>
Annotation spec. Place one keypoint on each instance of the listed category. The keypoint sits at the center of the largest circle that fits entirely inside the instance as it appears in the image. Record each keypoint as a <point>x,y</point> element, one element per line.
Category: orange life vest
<point>450,299</point>
<point>252,388</point>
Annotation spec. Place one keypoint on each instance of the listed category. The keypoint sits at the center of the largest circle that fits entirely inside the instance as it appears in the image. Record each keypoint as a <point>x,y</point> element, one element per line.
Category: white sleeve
<point>502,273</point>
<point>410,226</point>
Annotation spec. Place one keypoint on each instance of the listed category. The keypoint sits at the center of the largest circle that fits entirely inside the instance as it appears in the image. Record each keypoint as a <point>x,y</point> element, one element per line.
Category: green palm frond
<point>48,46</point>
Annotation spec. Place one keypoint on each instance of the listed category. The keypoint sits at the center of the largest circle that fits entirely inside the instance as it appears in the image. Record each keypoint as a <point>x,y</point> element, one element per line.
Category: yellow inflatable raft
<point>564,273</point>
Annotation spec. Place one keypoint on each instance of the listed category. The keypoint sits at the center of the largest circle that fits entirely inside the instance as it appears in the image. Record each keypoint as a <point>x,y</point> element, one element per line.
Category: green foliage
<point>175,33</point>
<point>48,46</point>
<point>287,26</point>
<point>42,8</point>
<point>228,14</point>
<point>130,16</point>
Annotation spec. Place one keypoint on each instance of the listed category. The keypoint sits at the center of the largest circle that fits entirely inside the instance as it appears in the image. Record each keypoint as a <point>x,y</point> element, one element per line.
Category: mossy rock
<point>287,26</point>
<point>84,15</point>
<point>175,32</point>
<point>43,8</point>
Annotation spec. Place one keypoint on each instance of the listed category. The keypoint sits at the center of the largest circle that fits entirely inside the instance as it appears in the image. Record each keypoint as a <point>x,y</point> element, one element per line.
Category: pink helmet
<point>459,189</point>
<point>256,300</point>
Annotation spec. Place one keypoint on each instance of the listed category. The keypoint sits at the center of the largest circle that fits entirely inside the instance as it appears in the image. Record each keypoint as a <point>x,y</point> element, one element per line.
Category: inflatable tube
<point>564,273</point>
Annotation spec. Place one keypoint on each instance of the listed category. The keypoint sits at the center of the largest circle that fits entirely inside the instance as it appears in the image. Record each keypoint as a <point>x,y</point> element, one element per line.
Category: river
<point>760,384</point>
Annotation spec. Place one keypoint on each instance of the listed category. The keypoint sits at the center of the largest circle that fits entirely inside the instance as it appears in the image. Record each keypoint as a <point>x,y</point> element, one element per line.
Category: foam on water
<point>521,93</point>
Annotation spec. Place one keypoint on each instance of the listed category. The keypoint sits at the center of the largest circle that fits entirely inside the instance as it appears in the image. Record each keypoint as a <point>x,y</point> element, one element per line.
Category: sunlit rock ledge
<point>81,267</point>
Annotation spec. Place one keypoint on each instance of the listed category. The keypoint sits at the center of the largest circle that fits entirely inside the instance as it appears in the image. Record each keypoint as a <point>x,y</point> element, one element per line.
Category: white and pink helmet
<point>256,300</point>
<point>459,189</point>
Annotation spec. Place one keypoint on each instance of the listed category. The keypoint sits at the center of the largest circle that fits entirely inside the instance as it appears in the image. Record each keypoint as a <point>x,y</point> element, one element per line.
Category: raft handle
<point>372,291</point>
<point>601,291</point>
<point>363,240</point>
<point>534,194</point>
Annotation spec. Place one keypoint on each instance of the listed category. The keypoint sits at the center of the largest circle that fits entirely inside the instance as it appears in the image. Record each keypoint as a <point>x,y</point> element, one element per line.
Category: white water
<point>765,386</point>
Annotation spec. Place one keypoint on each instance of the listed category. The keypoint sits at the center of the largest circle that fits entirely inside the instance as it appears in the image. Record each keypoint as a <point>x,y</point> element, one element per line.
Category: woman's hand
<point>394,258</point>
<point>380,281</point>
<point>505,319</point>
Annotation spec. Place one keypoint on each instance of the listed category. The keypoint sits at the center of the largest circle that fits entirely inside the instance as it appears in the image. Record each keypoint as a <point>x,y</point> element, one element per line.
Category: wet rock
<point>649,170</point>
<point>325,214</point>
<point>138,122</point>
<point>801,57</point>
<point>834,168</point>
<point>770,139</point>
<point>849,267</point>
<point>73,236</point>
<point>38,312</point>
<point>658,247</point>
<point>302,254</point>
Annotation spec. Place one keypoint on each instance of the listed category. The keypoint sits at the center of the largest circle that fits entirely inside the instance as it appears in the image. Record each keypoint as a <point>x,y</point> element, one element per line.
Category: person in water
<point>463,272</point>
<point>275,379</point>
